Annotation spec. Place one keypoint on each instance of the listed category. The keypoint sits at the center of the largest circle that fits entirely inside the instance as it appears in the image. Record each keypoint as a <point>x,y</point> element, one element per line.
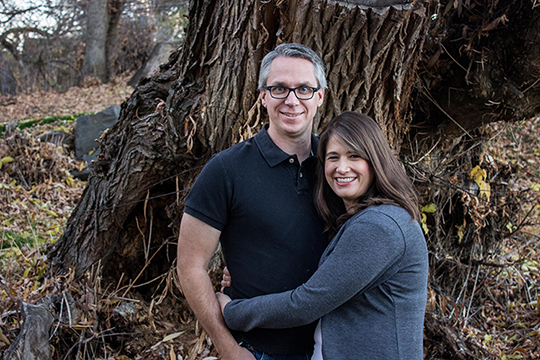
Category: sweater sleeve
<point>366,248</point>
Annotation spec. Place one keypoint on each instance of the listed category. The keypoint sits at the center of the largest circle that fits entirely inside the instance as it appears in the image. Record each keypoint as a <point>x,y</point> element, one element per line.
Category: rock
<point>127,311</point>
<point>159,55</point>
<point>91,127</point>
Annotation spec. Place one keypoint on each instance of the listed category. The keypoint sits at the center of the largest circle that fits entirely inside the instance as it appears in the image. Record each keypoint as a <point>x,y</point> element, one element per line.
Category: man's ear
<point>320,97</point>
<point>263,97</point>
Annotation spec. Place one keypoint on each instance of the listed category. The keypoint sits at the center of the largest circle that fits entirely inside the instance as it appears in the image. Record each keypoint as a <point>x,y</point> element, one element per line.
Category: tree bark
<point>205,99</point>
<point>97,29</point>
<point>32,343</point>
<point>482,65</point>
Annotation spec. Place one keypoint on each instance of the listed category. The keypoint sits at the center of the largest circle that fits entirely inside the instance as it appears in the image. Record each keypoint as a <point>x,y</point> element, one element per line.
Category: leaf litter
<point>37,195</point>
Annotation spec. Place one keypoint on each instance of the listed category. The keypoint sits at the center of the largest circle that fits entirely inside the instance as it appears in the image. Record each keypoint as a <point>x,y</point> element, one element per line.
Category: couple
<point>369,290</point>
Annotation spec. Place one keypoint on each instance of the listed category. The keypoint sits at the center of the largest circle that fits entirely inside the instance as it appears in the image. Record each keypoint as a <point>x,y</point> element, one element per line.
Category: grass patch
<point>26,123</point>
<point>11,239</point>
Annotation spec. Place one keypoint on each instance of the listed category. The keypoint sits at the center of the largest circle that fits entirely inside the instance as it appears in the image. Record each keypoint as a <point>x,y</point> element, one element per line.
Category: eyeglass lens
<point>302,92</point>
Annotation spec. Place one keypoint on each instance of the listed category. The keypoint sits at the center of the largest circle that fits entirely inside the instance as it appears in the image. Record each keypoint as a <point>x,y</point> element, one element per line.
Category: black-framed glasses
<point>301,92</point>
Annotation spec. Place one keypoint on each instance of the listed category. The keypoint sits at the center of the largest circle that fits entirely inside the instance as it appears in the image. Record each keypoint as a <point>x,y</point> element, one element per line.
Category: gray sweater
<point>370,291</point>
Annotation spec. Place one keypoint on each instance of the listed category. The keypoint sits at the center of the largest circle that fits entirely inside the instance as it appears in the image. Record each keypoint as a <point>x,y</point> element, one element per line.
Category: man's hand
<point>226,280</point>
<point>223,300</point>
<point>241,354</point>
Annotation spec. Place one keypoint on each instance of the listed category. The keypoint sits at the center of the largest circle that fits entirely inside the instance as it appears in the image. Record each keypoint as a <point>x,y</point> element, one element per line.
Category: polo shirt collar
<point>271,152</point>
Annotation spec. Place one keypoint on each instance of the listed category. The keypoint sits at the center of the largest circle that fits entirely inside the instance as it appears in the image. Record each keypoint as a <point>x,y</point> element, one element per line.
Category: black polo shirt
<point>261,199</point>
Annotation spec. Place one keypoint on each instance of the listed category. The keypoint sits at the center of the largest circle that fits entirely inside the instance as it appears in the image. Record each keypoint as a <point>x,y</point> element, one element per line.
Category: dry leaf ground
<point>37,194</point>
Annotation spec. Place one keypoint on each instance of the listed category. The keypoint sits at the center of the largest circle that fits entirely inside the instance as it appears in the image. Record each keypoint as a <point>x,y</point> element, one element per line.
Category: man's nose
<point>291,99</point>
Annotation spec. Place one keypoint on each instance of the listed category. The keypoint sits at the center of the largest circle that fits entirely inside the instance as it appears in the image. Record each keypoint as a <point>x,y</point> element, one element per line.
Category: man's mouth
<point>291,114</point>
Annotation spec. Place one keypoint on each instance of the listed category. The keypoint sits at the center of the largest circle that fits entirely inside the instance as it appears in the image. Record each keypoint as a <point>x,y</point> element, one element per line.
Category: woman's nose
<point>343,167</point>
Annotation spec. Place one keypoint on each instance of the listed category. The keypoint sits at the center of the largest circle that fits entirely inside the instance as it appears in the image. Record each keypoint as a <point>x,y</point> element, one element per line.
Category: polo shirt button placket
<point>291,160</point>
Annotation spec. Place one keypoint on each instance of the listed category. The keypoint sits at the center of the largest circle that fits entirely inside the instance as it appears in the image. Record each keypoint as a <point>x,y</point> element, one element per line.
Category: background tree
<point>42,42</point>
<point>97,32</point>
<point>27,29</point>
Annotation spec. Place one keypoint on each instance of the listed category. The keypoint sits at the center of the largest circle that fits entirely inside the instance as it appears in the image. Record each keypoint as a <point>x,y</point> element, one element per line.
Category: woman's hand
<point>223,300</point>
<point>226,281</point>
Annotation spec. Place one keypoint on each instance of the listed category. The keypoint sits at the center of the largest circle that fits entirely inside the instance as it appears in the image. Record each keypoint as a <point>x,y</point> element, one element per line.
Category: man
<point>256,199</point>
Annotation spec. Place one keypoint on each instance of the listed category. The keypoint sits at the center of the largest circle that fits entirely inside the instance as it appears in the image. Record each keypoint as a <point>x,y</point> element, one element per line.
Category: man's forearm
<point>196,245</point>
<point>200,295</point>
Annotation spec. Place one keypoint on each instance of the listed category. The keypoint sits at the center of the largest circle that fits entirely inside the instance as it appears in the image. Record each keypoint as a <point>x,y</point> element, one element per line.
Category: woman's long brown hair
<point>360,134</point>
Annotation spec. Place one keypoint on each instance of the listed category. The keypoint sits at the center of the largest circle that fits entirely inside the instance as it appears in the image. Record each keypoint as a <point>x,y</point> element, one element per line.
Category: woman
<point>369,291</point>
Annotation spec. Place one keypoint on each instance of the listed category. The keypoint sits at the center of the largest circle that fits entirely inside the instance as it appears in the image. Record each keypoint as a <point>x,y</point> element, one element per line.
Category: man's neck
<point>301,146</point>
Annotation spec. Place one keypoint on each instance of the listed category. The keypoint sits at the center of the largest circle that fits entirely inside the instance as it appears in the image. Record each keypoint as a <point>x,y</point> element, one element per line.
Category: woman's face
<point>346,172</point>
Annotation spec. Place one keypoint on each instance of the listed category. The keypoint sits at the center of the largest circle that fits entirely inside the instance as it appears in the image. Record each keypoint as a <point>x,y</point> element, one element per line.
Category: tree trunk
<point>205,100</point>
<point>480,68</point>
<point>97,28</point>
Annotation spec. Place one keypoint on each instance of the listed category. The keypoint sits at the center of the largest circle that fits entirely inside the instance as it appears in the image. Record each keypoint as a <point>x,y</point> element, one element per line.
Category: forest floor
<point>38,193</point>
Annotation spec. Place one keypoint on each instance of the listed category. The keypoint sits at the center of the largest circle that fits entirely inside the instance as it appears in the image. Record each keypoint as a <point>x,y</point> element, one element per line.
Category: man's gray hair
<point>294,51</point>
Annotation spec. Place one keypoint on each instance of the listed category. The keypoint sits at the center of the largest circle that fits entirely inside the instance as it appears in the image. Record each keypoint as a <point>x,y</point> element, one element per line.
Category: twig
<point>472,296</point>
<point>463,290</point>
<point>534,83</point>
<point>426,154</point>
<point>94,336</point>
<point>444,112</point>
<point>522,223</point>
<point>59,320</point>
<point>149,234</point>
<point>151,281</point>
<point>488,263</point>
<point>144,268</point>
<point>448,53</point>
<point>142,236</point>
<point>529,298</point>
<point>113,297</point>
<point>177,192</point>
<point>534,238</point>
<point>68,308</point>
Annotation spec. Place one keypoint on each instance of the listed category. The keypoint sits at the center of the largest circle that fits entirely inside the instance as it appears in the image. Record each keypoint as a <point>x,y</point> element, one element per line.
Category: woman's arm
<point>363,253</point>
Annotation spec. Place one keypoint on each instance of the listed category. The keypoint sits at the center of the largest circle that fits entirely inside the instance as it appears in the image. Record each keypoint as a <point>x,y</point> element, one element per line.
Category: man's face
<point>290,117</point>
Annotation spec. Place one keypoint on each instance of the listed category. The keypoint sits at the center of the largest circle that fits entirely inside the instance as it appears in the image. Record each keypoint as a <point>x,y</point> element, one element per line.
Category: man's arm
<point>196,245</point>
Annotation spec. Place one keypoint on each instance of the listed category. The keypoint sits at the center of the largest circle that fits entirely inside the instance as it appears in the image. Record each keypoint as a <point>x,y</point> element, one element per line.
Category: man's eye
<point>279,89</point>
<point>304,90</point>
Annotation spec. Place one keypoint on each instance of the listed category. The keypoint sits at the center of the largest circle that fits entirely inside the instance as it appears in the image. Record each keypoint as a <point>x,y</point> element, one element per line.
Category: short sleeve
<point>209,198</point>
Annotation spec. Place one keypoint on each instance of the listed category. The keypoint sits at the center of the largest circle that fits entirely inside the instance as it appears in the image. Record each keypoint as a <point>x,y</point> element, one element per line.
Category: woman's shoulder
<point>386,210</point>
<point>388,217</point>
